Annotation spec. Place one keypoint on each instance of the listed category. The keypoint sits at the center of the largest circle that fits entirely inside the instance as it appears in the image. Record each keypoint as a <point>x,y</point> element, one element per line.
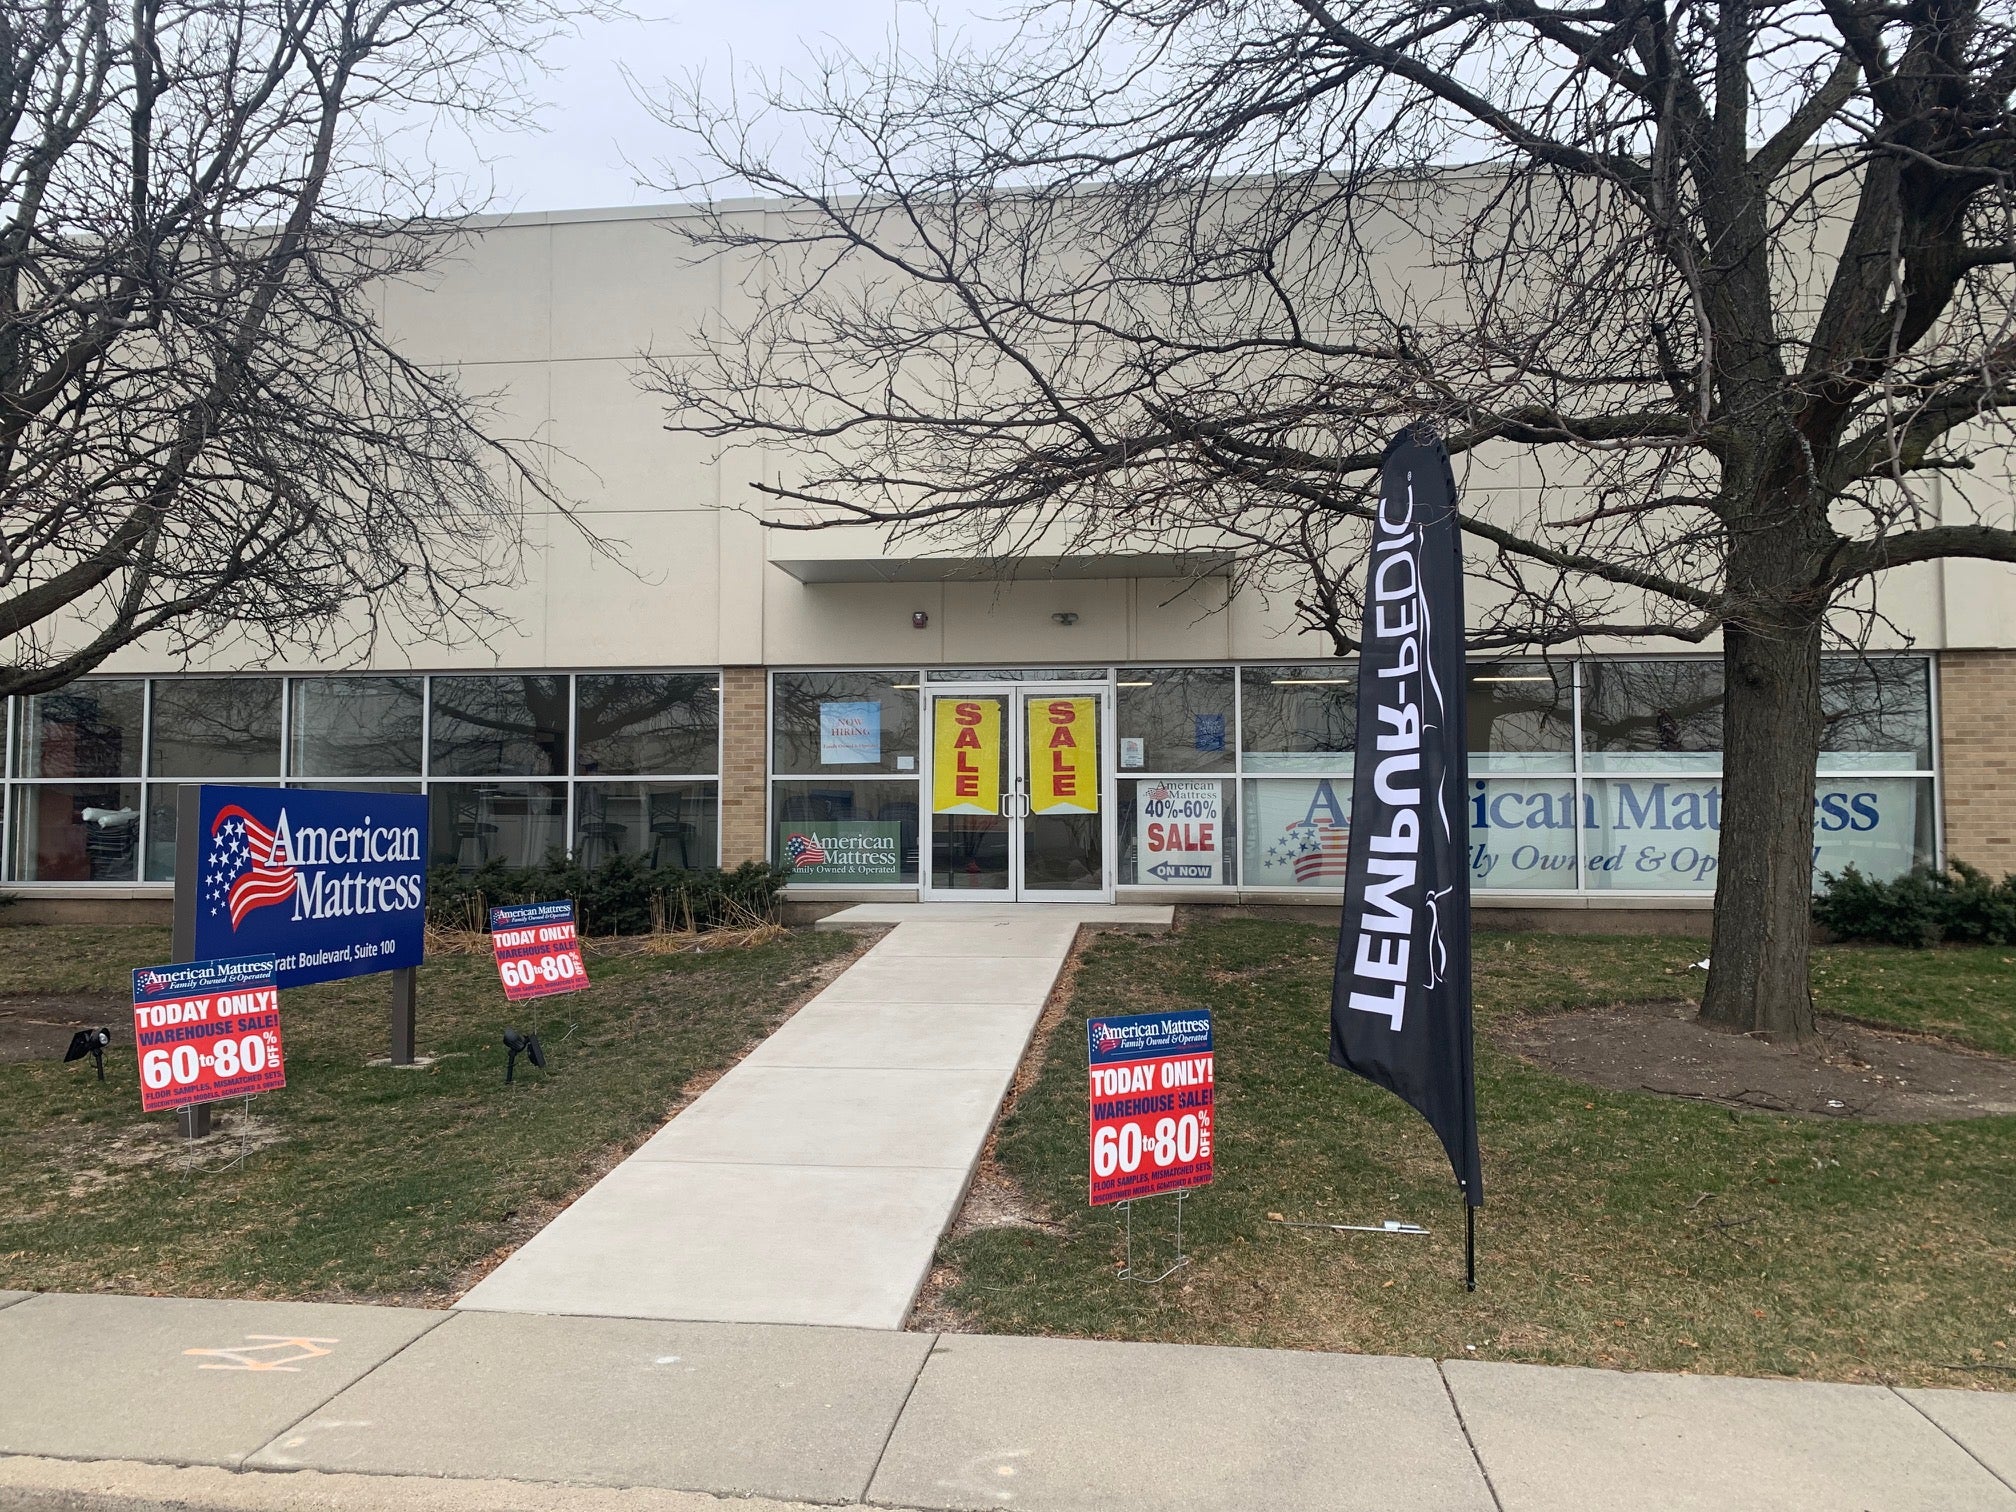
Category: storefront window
<point>518,823</point>
<point>162,828</point>
<point>847,723</point>
<point>1522,834</point>
<point>499,726</point>
<point>641,723</point>
<point>1521,717</point>
<point>219,728</point>
<point>1876,714</point>
<point>356,727</point>
<point>1295,831</point>
<point>661,823</point>
<point>1177,832</point>
<point>90,729</point>
<point>75,831</point>
<point>1659,716</point>
<point>1175,719</point>
<point>1297,719</point>
<point>1663,834</point>
<point>838,832</point>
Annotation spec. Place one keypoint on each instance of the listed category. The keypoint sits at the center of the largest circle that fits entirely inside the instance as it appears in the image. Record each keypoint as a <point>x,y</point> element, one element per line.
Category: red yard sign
<point>537,951</point>
<point>1153,1101</point>
<point>207,1030</point>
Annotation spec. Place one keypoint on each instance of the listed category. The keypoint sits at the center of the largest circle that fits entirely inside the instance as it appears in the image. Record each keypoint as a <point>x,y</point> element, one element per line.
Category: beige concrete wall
<point>1977,740</point>
<point>669,565</point>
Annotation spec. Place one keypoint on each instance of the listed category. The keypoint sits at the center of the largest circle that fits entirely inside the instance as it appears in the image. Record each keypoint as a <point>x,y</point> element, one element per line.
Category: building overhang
<point>968,569</point>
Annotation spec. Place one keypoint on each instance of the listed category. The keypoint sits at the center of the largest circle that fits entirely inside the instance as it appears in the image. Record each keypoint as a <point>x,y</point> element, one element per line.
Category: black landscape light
<point>91,1042</point>
<point>521,1044</point>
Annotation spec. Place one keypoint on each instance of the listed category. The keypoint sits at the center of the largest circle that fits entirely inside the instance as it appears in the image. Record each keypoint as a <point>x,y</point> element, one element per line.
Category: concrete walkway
<point>825,1415</point>
<point>812,1182</point>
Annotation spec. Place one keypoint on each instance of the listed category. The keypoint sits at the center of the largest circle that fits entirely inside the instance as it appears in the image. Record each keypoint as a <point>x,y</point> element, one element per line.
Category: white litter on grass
<point>1700,965</point>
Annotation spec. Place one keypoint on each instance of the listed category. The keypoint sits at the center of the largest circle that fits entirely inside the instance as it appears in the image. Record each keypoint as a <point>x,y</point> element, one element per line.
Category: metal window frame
<point>13,727</point>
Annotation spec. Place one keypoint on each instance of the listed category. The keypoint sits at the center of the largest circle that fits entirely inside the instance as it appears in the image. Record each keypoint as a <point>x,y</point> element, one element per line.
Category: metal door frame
<point>1016,697</point>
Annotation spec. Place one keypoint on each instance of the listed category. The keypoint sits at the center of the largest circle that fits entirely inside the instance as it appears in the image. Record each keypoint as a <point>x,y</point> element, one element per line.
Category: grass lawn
<point>365,1183</point>
<point>1619,1229</point>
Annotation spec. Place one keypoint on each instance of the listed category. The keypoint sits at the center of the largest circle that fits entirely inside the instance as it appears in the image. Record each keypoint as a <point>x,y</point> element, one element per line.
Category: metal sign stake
<point>1126,1272</point>
<point>195,1118</point>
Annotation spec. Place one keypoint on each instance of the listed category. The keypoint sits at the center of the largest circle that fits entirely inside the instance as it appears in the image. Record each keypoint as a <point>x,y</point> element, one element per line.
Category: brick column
<point>744,739</point>
<point>1977,744</point>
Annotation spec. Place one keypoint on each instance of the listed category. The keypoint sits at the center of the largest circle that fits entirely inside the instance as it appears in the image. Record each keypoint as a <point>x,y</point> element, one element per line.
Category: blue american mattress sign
<point>331,884</point>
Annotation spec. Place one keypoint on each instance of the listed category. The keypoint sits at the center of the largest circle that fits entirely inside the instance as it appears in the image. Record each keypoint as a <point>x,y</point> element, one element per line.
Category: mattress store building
<point>912,725</point>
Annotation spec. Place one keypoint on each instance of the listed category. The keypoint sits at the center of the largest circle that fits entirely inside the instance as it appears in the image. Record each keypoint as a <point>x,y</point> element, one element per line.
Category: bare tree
<point>203,432</point>
<point>1710,298</point>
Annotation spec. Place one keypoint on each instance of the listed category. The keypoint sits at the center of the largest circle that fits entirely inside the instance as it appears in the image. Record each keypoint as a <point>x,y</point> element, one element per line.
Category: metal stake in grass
<point>1126,1272</point>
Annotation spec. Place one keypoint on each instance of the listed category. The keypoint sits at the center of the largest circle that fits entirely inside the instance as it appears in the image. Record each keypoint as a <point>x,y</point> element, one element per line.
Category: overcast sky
<point>593,120</point>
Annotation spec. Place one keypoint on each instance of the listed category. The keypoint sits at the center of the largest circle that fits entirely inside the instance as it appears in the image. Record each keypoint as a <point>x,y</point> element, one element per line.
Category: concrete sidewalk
<point>811,1183</point>
<point>824,1415</point>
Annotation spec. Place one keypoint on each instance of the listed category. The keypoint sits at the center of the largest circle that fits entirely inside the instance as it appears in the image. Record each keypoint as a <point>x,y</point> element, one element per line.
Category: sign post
<point>331,884</point>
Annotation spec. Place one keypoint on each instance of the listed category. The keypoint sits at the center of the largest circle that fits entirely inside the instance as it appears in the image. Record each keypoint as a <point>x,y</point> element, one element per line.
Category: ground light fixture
<point>516,1044</point>
<point>91,1042</point>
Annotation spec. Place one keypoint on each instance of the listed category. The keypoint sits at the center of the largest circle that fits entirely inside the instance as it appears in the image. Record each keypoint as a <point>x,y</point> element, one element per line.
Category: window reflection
<point>647,722</point>
<point>1175,719</point>
<point>356,726</point>
<point>76,831</point>
<point>90,729</point>
<point>1298,719</point>
<point>1521,717</point>
<point>499,726</point>
<point>474,823</point>
<point>660,823</point>
<point>1662,716</point>
<point>848,723</point>
<point>218,727</point>
<point>1876,713</point>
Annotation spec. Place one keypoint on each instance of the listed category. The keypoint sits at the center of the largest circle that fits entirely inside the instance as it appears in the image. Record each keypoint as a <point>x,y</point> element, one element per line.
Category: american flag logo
<point>1317,848</point>
<point>804,851</point>
<point>240,874</point>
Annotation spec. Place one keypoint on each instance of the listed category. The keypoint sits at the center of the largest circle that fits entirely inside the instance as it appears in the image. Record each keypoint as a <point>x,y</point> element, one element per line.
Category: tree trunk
<point>1757,970</point>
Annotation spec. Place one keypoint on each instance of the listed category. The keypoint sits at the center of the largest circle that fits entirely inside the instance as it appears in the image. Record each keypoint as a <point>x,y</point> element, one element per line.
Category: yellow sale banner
<point>1064,756</point>
<point>966,756</point>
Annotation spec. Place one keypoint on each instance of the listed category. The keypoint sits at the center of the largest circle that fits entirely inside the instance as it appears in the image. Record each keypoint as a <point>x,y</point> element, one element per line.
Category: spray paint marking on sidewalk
<point>266,1355</point>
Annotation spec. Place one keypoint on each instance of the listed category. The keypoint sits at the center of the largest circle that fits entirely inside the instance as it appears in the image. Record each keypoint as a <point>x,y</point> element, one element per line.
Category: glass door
<point>1017,787</point>
<point>972,851</point>
<point>1061,779</point>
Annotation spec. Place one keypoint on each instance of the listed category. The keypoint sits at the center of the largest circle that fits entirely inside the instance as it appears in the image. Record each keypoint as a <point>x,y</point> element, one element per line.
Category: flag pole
<point>1469,1245</point>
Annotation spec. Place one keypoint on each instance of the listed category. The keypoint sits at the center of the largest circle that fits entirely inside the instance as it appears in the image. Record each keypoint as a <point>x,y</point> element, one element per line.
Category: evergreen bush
<point>1920,908</point>
<point>621,896</point>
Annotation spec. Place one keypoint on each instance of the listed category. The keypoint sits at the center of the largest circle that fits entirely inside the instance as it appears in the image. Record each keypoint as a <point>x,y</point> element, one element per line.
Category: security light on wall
<point>919,619</point>
<point>1065,617</point>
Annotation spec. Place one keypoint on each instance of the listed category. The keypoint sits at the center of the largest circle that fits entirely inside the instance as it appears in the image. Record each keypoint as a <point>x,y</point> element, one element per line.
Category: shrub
<point>621,896</point>
<point>1920,908</point>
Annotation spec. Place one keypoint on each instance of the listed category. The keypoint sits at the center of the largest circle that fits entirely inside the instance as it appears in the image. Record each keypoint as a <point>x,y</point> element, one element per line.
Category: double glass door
<point>1016,791</point>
